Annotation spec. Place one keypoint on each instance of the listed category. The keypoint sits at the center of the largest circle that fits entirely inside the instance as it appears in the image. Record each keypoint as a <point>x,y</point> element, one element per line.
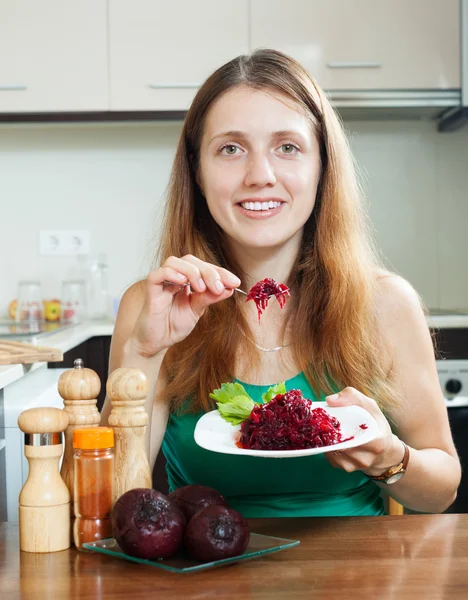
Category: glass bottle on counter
<point>94,270</point>
<point>93,459</point>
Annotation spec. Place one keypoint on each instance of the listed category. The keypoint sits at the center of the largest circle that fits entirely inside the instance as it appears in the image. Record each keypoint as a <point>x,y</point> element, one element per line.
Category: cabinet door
<point>53,55</point>
<point>365,44</point>
<point>161,52</point>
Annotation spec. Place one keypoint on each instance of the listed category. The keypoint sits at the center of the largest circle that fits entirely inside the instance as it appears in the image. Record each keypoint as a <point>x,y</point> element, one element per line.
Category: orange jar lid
<point>93,438</point>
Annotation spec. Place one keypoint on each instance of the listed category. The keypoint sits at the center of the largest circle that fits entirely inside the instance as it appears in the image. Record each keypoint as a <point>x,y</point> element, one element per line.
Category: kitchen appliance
<point>453,377</point>
<point>452,367</point>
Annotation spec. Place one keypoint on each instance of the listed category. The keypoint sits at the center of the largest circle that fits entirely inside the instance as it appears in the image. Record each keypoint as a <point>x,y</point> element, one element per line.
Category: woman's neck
<point>258,263</point>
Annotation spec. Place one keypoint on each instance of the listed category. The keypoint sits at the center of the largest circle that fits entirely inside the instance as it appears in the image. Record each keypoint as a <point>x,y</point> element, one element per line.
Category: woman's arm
<point>156,314</point>
<point>420,419</point>
<point>124,354</point>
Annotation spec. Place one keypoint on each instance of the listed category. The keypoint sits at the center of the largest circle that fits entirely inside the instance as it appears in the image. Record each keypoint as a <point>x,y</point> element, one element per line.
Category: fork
<point>188,284</point>
<point>235,289</point>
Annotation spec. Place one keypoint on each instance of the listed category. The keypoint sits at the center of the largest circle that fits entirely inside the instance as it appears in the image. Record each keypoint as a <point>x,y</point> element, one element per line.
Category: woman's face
<point>259,167</point>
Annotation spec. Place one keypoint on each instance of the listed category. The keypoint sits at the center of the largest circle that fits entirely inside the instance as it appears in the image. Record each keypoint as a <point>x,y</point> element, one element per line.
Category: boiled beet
<point>192,498</point>
<point>216,532</point>
<point>147,524</point>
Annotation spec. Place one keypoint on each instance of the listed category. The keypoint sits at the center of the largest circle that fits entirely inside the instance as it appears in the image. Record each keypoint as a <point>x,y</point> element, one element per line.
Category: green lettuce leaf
<point>235,404</point>
<point>236,411</point>
<point>279,388</point>
<point>228,391</point>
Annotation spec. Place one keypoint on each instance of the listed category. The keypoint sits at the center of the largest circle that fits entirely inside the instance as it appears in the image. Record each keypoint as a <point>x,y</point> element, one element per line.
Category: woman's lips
<point>260,214</point>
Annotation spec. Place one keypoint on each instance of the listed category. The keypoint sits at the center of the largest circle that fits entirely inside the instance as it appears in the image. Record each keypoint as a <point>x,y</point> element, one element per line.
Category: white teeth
<point>260,205</point>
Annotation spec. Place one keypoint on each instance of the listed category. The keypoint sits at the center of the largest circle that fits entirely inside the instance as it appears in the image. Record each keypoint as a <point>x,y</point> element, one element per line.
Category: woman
<point>263,185</point>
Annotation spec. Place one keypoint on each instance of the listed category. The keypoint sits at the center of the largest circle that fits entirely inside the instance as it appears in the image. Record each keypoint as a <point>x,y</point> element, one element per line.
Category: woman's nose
<point>260,171</point>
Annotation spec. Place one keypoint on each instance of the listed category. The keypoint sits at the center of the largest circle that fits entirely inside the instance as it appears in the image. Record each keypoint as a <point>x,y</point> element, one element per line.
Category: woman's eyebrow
<point>244,136</point>
<point>288,133</point>
<point>237,134</point>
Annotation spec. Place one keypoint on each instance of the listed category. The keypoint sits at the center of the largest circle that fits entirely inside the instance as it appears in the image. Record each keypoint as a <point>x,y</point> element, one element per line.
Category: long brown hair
<point>335,275</point>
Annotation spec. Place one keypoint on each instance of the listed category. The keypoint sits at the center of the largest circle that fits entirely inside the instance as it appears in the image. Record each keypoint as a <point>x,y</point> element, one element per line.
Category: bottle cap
<point>93,438</point>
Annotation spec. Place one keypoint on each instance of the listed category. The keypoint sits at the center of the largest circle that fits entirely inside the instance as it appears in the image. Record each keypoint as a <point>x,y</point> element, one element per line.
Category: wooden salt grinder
<point>127,390</point>
<point>44,501</point>
<point>79,389</point>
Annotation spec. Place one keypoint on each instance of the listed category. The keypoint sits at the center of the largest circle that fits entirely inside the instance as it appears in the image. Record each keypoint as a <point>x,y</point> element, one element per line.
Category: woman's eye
<point>229,149</point>
<point>289,148</point>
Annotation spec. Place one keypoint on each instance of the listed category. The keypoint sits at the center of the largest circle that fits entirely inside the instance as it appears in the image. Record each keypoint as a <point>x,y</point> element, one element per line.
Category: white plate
<point>213,433</point>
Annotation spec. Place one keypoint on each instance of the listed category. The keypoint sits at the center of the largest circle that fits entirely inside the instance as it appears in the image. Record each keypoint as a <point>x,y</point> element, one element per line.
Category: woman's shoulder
<point>129,308</point>
<point>133,299</point>
<point>400,310</point>
<point>135,292</point>
<point>395,296</point>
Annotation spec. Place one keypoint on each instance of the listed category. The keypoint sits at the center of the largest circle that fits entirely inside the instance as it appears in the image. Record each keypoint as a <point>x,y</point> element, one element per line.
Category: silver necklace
<point>266,349</point>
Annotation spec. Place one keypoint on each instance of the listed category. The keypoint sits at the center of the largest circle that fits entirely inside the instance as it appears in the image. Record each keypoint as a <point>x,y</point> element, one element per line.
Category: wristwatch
<point>394,474</point>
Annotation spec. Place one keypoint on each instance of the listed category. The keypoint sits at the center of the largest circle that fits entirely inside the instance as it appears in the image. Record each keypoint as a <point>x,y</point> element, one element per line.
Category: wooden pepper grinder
<point>127,390</point>
<point>79,388</point>
<point>44,501</point>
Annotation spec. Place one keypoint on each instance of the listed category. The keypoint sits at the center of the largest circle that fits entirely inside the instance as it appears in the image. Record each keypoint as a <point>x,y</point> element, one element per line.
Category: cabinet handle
<point>13,88</point>
<point>174,86</point>
<point>353,65</point>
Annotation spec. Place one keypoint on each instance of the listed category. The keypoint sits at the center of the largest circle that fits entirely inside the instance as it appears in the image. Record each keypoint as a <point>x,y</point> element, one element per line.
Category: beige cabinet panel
<point>53,55</point>
<point>365,44</point>
<point>160,52</point>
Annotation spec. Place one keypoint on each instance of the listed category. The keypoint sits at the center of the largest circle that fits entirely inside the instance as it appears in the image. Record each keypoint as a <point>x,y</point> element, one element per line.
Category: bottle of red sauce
<point>93,459</point>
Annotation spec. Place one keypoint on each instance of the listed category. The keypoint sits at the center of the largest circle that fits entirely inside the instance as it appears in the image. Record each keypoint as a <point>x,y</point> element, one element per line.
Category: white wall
<point>110,179</point>
<point>417,187</point>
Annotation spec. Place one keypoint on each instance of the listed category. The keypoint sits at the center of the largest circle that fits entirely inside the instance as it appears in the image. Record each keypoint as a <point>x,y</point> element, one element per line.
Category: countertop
<point>370,558</point>
<point>63,340</point>
<point>448,321</point>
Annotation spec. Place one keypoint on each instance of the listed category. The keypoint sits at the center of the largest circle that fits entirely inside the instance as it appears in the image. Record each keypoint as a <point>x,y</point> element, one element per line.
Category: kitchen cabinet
<point>160,52</point>
<point>365,44</point>
<point>53,56</point>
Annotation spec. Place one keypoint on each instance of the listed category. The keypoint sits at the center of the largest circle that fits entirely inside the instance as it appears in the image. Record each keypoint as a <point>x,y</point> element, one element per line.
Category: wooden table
<point>364,558</point>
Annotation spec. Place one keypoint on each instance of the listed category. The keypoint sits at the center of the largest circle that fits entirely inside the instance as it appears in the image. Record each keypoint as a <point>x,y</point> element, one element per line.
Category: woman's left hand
<point>375,457</point>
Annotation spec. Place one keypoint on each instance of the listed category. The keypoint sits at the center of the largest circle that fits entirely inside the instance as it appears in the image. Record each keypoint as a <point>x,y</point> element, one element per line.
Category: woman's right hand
<point>170,312</point>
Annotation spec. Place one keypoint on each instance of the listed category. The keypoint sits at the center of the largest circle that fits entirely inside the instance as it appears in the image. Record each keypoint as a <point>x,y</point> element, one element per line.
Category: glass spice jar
<point>93,477</point>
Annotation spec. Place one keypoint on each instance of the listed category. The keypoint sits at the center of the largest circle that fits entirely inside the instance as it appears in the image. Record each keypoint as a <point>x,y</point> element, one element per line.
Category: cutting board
<point>12,353</point>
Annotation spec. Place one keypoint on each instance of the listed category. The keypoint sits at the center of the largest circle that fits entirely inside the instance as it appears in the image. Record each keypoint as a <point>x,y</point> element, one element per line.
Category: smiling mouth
<point>259,206</point>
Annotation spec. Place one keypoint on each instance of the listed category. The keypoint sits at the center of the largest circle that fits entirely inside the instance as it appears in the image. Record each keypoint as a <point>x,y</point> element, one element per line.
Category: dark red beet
<point>147,524</point>
<point>289,422</point>
<point>192,498</point>
<point>216,532</point>
<point>262,291</point>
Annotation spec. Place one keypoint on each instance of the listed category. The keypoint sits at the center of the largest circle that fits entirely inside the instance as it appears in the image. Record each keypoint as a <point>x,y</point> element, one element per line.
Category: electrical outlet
<point>63,242</point>
<point>50,243</point>
<point>75,242</point>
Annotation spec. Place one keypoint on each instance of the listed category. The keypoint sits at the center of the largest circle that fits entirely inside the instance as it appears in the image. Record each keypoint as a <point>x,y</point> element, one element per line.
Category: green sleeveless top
<point>306,486</point>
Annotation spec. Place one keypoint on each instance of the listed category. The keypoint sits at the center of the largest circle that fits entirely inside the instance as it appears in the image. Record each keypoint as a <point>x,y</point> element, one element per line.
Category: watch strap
<point>399,468</point>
